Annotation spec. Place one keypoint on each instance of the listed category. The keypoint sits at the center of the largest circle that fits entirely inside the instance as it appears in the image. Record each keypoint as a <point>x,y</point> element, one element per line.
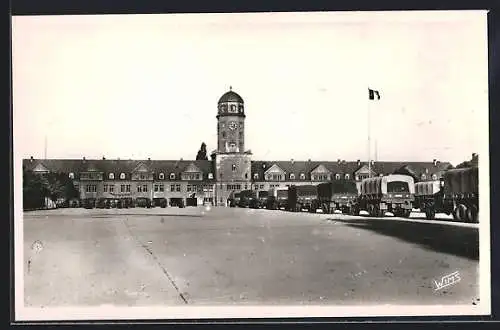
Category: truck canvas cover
<point>336,188</point>
<point>460,181</point>
<point>378,185</point>
<point>427,188</point>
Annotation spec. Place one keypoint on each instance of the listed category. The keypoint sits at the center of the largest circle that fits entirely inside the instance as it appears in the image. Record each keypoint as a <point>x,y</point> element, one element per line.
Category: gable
<point>40,168</point>
<point>192,168</point>
<point>274,169</point>
<point>141,168</point>
<point>364,170</point>
<point>320,169</point>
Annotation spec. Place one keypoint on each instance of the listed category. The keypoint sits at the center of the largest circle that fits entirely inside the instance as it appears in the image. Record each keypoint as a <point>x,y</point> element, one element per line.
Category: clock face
<point>232,125</point>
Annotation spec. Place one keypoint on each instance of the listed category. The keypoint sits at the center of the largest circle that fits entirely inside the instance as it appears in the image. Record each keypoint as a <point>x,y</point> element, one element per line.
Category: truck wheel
<point>460,213</point>
<point>472,214</point>
<point>406,213</point>
<point>430,214</point>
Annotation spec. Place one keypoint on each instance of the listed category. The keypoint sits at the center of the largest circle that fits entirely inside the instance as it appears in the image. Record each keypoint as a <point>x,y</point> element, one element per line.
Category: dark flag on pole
<point>373,94</point>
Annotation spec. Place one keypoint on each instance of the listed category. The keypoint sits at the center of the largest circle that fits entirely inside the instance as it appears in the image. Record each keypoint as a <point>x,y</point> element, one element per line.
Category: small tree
<point>202,153</point>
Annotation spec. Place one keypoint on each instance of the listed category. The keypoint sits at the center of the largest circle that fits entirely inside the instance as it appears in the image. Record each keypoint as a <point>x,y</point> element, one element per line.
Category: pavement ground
<point>221,256</point>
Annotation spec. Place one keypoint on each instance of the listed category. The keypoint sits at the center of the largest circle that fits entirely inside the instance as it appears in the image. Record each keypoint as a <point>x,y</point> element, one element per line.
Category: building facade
<point>230,169</point>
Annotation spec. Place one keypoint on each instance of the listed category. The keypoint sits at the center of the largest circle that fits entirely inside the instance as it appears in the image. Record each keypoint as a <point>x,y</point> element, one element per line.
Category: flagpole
<point>369,140</point>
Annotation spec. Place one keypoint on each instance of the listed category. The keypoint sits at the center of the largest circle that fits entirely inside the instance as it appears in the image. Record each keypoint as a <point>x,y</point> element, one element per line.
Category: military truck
<point>393,193</point>
<point>302,197</point>
<point>246,197</point>
<point>429,198</point>
<point>461,194</point>
<point>337,195</point>
<point>277,198</point>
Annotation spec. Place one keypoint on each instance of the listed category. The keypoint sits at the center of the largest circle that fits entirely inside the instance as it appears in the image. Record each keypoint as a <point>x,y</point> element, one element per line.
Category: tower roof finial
<point>230,88</point>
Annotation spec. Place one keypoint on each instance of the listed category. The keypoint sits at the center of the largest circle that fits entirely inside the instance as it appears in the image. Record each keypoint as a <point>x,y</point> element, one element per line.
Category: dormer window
<point>337,176</point>
<point>122,176</point>
<point>111,176</point>
<point>256,176</point>
<point>72,175</point>
<point>172,176</point>
<point>292,176</point>
<point>424,177</point>
<point>161,176</point>
<point>347,176</point>
<point>233,167</point>
<point>434,177</point>
<point>302,176</point>
<point>210,176</point>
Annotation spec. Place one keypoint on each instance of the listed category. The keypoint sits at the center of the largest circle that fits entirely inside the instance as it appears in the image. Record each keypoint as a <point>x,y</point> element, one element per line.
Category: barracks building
<point>230,169</point>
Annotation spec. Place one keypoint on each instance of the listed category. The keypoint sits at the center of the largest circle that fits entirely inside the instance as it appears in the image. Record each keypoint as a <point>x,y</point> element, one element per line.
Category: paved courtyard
<point>203,256</point>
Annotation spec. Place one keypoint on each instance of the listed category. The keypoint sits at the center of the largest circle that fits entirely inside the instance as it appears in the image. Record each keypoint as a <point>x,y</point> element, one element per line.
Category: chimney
<point>292,161</point>
<point>434,161</point>
<point>31,158</point>
<point>150,158</point>
<point>83,158</point>
<point>358,162</point>
<point>103,158</point>
<point>338,160</point>
<point>372,162</point>
<point>309,160</point>
<point>474,155</point>
<point>263,165</point>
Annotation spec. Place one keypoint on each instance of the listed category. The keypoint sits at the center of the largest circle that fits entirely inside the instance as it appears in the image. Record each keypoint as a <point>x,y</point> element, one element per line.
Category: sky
<point>147,86</point>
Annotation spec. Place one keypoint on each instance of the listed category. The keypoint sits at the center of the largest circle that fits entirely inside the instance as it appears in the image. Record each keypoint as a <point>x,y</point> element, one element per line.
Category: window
<point>233,167</point>
<point>111,188</point>
<point>178,187</point>
<point>172,187</point>
<point>292,176</point>
<point>347,176</point>
<point>128,188</point>
<point>111,176</point>
<point>156,188</point>
<point>246,175</point>
<point>261,186</point>
<point>256,187</point>
<point>91,188</point>
<point>142,176</point>
<point>139,188</point>
<point>122,176</point>
<point>434,177</point>
<point>162,188</point>
<point>172,176</point>
<point>210,176</point>
<point>424,177</point>
<point>233,108</point>
<point>122,188</point>
<point>302,176</point>
<point>246,187</point>
<point>161,176</point>
<point>145,188</point>
<point>105,188</point>
<point>72,175</point>
<point>255,176</point>
<point>188,188</point>
<point>197,176</point>
<point>357,177</point>
<point>240,135</point>
<point>337,176</point>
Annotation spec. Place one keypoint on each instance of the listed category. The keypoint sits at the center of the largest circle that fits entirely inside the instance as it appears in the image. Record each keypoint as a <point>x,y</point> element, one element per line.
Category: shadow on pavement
<point>459,241</point>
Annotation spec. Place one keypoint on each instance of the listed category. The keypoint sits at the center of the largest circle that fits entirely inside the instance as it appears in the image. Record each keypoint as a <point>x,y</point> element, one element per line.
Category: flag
<point>373,94</point>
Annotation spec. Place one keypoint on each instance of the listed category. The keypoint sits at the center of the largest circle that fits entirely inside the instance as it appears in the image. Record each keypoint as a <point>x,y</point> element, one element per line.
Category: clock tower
<point>232,162</point>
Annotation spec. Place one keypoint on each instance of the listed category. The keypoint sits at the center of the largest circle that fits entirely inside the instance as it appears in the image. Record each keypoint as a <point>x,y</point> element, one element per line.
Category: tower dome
<point>230,97</point>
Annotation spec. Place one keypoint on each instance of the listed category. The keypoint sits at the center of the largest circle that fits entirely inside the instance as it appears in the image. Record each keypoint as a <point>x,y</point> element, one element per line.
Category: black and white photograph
<point>251,165</point>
